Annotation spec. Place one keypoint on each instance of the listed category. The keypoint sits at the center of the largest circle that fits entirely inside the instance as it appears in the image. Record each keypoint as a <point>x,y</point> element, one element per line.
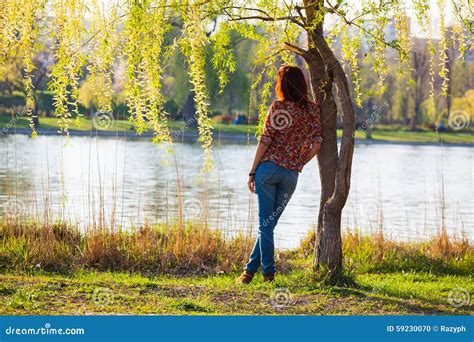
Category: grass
<point>191,270</point>
<point>92,292</point>
<point>175,249</point>
<point>51,123</point>
<point>398,134</point>
<point>386,133</point>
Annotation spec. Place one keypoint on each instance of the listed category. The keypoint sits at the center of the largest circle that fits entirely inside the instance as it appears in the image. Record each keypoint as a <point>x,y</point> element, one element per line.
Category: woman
<point>291,138</point>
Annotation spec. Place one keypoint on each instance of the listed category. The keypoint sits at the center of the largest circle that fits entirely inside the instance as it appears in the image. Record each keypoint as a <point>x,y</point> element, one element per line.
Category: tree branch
<point>296,49</point>
<point>351,22</point>
<point>265,16</point>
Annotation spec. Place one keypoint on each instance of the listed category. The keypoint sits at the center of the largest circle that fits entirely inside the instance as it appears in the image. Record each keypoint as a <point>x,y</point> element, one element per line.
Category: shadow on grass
<point>345,285</point>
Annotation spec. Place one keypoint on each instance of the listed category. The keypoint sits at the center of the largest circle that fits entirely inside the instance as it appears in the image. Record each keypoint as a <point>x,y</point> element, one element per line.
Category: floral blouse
<point>290,132</point>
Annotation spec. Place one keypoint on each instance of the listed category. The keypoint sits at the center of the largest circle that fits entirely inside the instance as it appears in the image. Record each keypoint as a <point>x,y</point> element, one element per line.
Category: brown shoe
<point>269,277</point>
<point>245,278</point>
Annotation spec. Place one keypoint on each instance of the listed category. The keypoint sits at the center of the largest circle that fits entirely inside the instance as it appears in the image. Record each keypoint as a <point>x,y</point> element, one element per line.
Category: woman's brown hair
<point>291,85</point>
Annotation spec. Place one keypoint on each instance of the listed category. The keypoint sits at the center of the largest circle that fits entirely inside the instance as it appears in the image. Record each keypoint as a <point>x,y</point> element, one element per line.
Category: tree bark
<point>334,166</point>
<point>327,242</point>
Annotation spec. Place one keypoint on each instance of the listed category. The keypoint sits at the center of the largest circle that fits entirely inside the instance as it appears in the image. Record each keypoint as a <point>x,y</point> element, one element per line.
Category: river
<point>409,191</point>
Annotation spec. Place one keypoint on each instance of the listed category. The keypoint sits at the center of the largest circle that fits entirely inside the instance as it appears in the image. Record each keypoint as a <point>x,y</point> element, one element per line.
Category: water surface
<point>409,191</point>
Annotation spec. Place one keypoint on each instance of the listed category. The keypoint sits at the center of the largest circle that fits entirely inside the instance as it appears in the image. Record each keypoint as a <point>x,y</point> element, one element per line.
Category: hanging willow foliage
<point>101,54</point>
<point>269,37</point>
<point>263,71</point>
<point>67,34</point>
<point>135,29</point>
<point>349,50</point>
<point>403,36</point>
<point>423,18</point>
<point>458,36</point>
<point>193,47</point>
<point>222,55</point>
<point>98,35</point>
<point>28,40</point>
<point>443,50</point>
<point>19,33</point>
<point>10,22</point>
<point>145,29</point>
<point>153,65</point>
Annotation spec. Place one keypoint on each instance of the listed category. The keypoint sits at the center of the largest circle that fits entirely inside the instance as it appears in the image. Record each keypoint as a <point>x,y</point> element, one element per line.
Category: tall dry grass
<point>442,254</point>
<point>196,249</point>
<point>149,249</point>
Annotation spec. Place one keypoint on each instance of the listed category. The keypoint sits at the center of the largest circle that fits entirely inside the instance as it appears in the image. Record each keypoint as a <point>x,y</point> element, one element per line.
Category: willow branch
<point>264,16</point>
<point>353,23</point>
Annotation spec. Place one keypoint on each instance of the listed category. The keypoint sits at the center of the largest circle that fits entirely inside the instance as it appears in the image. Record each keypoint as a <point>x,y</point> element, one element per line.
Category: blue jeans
<point>274,185</point>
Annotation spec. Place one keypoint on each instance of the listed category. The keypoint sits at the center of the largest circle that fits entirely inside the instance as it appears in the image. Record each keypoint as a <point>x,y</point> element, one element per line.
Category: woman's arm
<point>316,136</point>
<point>315,148</point>
<point>263,143</point>
<point>261,148</point>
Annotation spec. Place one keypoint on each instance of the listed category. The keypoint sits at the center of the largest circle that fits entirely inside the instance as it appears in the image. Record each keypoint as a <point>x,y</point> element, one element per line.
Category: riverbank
<point>231,133</point>
<point>191,270</point>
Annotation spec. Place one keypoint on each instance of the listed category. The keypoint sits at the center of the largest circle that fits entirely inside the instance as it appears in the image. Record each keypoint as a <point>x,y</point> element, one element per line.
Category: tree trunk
<point>334,167</point>
<point>328,249</point>
<point>189,111</point>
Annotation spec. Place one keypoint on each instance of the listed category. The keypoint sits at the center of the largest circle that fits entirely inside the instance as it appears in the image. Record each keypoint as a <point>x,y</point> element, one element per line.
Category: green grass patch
<point>89,292</point>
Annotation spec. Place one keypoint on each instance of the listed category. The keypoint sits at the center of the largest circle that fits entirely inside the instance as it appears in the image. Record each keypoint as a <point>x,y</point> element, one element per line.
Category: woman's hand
<point>261,148</point>
<point>251,184</point>
<point>315,149</point>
